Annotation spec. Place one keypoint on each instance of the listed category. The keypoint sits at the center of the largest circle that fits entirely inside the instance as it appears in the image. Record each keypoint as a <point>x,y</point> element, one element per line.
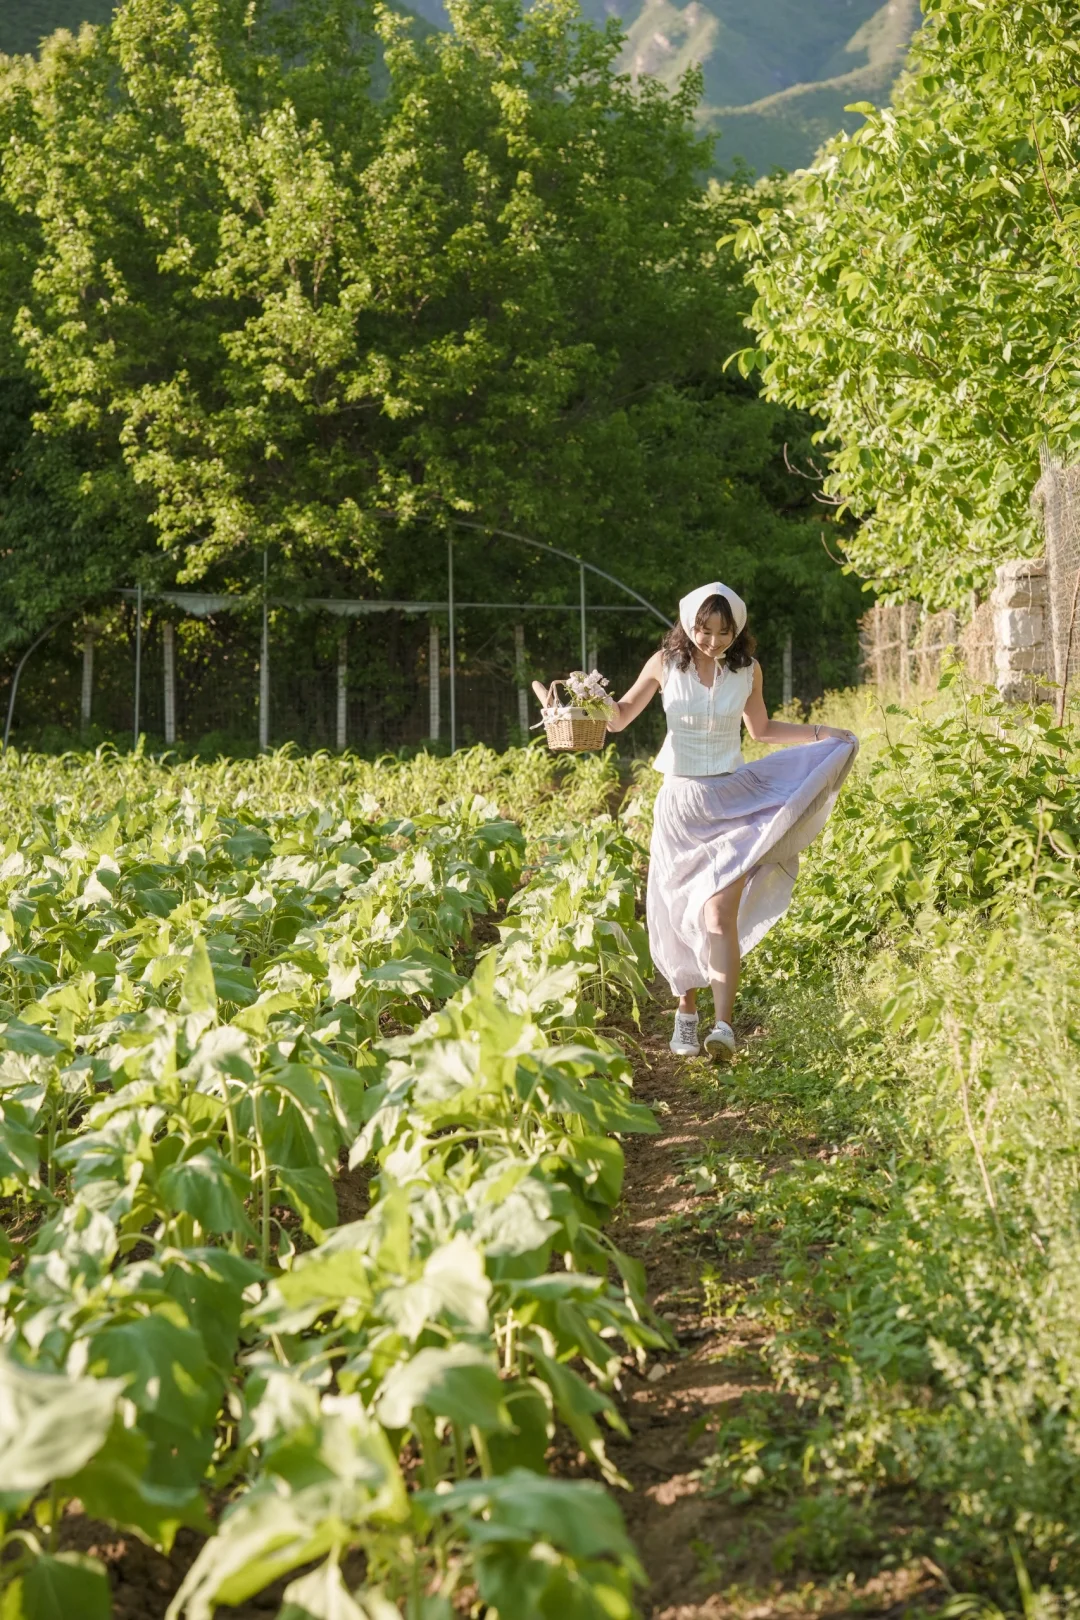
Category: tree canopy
<point>293,277</point>
<point>917,292</point>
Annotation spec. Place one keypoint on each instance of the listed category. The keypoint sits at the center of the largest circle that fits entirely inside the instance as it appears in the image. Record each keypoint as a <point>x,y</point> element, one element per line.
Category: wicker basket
<point>571,730</point>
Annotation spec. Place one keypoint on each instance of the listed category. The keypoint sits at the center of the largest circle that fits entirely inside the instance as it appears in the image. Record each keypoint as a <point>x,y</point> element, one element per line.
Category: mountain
<point>778,73</point>
<point>783,128</point>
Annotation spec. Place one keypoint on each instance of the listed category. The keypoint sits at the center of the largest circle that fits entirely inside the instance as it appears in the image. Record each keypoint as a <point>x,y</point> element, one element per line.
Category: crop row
<point>206,1017</point>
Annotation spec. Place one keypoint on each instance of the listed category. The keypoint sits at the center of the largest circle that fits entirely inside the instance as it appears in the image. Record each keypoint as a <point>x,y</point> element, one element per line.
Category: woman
<point>726,835</point>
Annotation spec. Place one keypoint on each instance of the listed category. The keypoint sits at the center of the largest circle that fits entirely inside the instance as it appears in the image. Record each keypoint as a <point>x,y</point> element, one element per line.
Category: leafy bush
<point>919,1078</point>
<point>910,285</point>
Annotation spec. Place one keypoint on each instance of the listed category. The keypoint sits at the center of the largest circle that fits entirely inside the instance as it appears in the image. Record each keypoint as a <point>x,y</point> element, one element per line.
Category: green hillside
<point>778,73</point>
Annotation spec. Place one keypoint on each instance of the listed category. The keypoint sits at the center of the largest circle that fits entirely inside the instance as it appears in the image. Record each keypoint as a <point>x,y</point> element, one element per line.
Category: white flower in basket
<point>577,722</point>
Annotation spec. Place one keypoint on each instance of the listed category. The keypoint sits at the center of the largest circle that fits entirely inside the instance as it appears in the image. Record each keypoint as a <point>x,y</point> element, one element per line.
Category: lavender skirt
<point>709,831</point>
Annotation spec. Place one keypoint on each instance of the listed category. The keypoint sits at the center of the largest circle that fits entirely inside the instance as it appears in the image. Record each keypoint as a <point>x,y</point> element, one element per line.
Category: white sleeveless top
<point>704,722</point>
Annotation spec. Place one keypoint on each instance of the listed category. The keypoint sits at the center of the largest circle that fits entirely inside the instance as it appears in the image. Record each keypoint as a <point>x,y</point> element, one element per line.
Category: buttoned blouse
<point>704,735</point>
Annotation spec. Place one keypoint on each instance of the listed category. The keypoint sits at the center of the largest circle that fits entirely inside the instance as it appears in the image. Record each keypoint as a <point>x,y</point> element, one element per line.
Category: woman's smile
<point>713,637</point>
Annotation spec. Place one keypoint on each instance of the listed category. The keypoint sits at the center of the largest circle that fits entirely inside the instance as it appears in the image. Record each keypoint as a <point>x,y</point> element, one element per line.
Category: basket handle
<point>547,694</point>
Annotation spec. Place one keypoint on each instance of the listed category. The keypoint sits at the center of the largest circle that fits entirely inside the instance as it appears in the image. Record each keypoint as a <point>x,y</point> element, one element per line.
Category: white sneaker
<point>684,1042</point>
<point>720,1042</point>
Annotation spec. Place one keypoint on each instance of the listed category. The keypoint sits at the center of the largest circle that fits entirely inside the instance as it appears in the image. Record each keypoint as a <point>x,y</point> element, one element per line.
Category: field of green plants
<point>312,1100</point>
<point>222,990</point>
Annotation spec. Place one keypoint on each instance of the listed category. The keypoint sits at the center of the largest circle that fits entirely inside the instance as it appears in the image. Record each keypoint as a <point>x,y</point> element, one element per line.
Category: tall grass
<point>910,1188</point>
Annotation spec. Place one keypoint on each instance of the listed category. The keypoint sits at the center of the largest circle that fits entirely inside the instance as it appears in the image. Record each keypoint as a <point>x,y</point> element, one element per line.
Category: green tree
<point>62,546</point>
<point>299,307</point>
<point>917,292</point>
<point>270,303</point>
<point>296,306</point>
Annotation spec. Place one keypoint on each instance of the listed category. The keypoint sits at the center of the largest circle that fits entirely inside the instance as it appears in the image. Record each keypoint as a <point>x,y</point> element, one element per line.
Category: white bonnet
<point>691,606</point>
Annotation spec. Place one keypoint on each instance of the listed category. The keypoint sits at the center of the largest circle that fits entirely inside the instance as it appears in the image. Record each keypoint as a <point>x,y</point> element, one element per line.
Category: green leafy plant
<point>214,992</point>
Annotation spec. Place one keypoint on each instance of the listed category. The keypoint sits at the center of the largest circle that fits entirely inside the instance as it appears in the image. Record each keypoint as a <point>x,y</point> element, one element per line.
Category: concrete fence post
<point>434,694</point>
<point>168,649</point>
<point>905,668</point>
<point>264,666</point>
<point>519,676</point>
<point>342,690</point>
<point>1023,649</point>
<point>137,719</point>
<point>87,703</point>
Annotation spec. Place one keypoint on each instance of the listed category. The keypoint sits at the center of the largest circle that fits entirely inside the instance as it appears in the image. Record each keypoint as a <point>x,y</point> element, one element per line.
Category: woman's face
<point>712,637</point>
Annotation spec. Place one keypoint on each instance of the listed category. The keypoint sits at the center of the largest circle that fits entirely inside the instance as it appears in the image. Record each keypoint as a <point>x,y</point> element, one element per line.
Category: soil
<point>705,1559</point>
<point>143,1580</point>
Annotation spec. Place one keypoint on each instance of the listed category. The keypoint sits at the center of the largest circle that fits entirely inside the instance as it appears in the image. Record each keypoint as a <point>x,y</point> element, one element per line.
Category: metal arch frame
<point>38,639</point>
<point>454,522</point>
<point>556,551</point>
<point>539,545</point>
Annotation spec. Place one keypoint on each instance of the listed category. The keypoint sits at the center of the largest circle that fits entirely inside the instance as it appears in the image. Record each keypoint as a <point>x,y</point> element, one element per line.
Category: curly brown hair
<point>678,649</point>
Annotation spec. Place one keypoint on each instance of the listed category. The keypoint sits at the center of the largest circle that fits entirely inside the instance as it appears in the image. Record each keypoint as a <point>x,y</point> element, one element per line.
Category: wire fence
<point>902,646</point>
<point>1057,495</point>
<point>220,674</point>
<point>233,671</point>
<point>216,674</point>
<point>1025,637</point>
<point>227,674</point>
<point>248,667</point>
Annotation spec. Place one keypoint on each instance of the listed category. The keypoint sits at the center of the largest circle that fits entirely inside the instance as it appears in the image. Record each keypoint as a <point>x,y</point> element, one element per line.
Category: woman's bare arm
<point>762,729</point>
<point>639,696</point>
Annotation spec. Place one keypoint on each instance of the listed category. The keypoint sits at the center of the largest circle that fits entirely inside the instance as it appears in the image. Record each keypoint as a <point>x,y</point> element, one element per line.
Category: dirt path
<point>706,1560</point>
<point>680,1533</point>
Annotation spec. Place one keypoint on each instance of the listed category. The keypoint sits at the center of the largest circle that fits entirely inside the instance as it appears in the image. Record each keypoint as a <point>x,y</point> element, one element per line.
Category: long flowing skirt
<point>709,831</point>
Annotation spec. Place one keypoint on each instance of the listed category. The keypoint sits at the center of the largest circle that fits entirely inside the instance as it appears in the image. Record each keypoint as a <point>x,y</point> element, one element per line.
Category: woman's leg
<point>722,925</point>
<point>688,1002</point>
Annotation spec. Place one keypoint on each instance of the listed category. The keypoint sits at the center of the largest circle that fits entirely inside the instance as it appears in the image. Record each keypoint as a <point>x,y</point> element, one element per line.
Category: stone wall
<point>1007,641</point>
<point>1023,648</point>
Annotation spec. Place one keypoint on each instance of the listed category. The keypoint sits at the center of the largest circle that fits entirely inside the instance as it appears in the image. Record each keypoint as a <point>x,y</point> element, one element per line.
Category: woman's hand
<point>614,719</point>
<point>834,731</point>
